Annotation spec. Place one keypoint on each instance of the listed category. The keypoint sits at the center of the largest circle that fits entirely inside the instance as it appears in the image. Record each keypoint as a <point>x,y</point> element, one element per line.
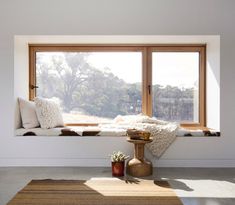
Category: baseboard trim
<point>105,162</point>
<point>53,162</point>
<point>195,163</point>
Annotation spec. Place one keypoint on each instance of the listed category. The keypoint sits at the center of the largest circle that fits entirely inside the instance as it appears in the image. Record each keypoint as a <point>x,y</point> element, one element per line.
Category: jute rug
<point>106,191</point>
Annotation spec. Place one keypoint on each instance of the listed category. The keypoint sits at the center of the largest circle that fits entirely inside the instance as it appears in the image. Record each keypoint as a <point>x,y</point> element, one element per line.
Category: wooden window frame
<point>201,49</point>
<point>146,50</point>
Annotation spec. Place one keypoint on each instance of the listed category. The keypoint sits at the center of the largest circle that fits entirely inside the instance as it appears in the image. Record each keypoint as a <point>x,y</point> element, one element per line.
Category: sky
<point>169,68</point>
<point>174,68</point>
<point>125,65</point>
<point>179,69</point>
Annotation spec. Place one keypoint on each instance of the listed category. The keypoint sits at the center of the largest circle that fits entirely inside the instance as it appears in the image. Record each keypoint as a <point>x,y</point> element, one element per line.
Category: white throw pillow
<point>28,114</point>
<point>48,113</point>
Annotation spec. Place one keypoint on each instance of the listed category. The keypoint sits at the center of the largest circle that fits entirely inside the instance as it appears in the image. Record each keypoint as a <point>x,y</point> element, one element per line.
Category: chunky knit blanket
<point>162,132</point>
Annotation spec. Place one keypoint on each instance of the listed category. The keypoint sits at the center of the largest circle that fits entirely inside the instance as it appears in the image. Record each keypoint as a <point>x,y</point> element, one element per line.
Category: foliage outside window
<point>94,84</point>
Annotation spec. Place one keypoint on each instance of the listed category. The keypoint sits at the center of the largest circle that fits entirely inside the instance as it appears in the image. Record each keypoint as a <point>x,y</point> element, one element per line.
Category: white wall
<point>110,17</point>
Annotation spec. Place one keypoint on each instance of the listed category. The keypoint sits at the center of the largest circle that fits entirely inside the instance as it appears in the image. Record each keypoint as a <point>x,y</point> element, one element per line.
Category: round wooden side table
<point>139,166</point>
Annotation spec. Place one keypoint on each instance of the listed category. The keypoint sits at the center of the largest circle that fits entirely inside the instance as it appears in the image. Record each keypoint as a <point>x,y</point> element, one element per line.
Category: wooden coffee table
<point>139,166</point>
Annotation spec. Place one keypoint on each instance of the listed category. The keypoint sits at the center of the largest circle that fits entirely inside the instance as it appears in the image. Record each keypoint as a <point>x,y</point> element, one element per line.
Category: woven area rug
<point>108,191</point>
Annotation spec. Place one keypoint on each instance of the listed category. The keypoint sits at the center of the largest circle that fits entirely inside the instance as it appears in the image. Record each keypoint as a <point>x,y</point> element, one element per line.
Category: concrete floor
<point>194,186</point>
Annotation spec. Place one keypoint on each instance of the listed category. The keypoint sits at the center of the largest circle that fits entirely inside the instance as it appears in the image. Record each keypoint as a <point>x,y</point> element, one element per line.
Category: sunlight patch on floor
<point>203,188</point>
<point>129,187</point>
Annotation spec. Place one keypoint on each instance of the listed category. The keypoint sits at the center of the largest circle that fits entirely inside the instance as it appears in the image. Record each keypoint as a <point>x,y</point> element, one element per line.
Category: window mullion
<point>144,82</point>
<point>149,81</point>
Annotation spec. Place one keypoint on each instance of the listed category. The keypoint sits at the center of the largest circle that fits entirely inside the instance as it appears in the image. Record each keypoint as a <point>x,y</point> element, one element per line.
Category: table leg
<point>139,166</point>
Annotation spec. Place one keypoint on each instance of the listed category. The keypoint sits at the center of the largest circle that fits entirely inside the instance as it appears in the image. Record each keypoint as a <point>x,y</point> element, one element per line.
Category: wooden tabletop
<point>139,141</point>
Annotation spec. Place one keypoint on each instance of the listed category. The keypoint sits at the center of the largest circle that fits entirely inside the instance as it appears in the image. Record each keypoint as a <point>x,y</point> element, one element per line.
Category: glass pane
<point>176,86</point>
<point>91,86</point>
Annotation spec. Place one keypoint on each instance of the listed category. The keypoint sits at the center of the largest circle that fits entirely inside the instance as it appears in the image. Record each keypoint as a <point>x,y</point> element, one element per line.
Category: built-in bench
<point>103,131</point>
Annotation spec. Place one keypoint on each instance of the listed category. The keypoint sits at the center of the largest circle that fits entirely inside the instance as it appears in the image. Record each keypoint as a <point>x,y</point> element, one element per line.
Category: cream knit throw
<point>162,132</point>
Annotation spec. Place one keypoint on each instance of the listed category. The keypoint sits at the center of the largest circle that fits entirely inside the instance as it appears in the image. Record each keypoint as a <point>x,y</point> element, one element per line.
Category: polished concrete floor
<point>194,186</point>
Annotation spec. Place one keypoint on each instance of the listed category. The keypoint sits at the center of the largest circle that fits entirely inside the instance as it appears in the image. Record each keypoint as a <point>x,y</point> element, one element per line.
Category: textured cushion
<point>48,113</point>
<point>28,114</point>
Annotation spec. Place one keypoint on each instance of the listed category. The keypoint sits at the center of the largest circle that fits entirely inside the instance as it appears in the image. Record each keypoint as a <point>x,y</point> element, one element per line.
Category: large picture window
<point>95,83</point>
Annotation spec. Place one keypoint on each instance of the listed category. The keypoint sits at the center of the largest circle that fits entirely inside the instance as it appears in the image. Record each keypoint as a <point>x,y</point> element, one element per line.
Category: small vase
<point>118,169</point>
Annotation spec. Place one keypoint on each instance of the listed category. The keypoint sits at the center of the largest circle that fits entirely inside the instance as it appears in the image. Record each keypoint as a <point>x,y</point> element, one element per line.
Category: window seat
<point>105,132</point>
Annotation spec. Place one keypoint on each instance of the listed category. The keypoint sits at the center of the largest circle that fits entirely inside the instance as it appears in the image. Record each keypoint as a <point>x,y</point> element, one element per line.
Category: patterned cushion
<point>197,133</point>
<point>102,131</point>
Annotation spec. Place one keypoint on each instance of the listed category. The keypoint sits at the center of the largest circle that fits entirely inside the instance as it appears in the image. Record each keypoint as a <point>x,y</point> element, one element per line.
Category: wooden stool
<point>139,166</point>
